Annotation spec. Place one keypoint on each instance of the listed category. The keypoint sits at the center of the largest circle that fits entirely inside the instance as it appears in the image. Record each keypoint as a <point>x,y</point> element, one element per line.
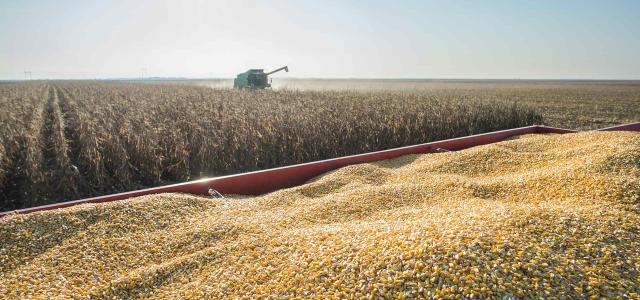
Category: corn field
<point>67,140</point>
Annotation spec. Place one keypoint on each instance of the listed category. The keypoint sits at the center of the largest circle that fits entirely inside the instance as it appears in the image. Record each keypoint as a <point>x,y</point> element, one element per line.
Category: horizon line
<point>159,78</point>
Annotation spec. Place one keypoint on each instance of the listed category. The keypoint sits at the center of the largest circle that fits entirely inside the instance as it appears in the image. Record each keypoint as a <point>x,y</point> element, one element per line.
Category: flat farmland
<point>64,140</point>
<point>575,104</point>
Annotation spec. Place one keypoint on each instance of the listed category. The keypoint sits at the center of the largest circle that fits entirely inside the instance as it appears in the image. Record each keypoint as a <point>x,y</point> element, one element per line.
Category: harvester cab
<point>255,79</point>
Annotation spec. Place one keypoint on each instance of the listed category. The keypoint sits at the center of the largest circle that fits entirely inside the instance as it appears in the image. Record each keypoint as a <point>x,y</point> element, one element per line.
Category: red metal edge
<point>264,181</point>
<point>625,127</point>
<point>548,129</point>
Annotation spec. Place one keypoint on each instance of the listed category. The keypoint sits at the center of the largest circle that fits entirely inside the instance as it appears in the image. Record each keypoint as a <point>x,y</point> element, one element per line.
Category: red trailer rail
<point>264,181</point>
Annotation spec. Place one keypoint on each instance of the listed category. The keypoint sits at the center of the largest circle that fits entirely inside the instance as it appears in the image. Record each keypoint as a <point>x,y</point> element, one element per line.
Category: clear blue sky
<point>370,39</point>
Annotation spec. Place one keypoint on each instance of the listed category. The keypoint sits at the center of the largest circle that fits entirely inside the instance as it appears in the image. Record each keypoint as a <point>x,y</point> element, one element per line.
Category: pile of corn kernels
<point>536,217</point>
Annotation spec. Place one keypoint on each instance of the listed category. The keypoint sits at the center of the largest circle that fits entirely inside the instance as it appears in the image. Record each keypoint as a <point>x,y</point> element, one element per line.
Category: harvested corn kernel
<point>532,217</point>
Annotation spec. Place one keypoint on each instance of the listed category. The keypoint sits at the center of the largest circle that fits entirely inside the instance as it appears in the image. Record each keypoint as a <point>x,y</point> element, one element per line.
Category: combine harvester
<point>255,79</point>
<point>265,181</point>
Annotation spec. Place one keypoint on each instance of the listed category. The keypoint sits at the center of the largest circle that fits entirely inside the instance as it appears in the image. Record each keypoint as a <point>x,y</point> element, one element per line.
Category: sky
<point>511,39</point>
